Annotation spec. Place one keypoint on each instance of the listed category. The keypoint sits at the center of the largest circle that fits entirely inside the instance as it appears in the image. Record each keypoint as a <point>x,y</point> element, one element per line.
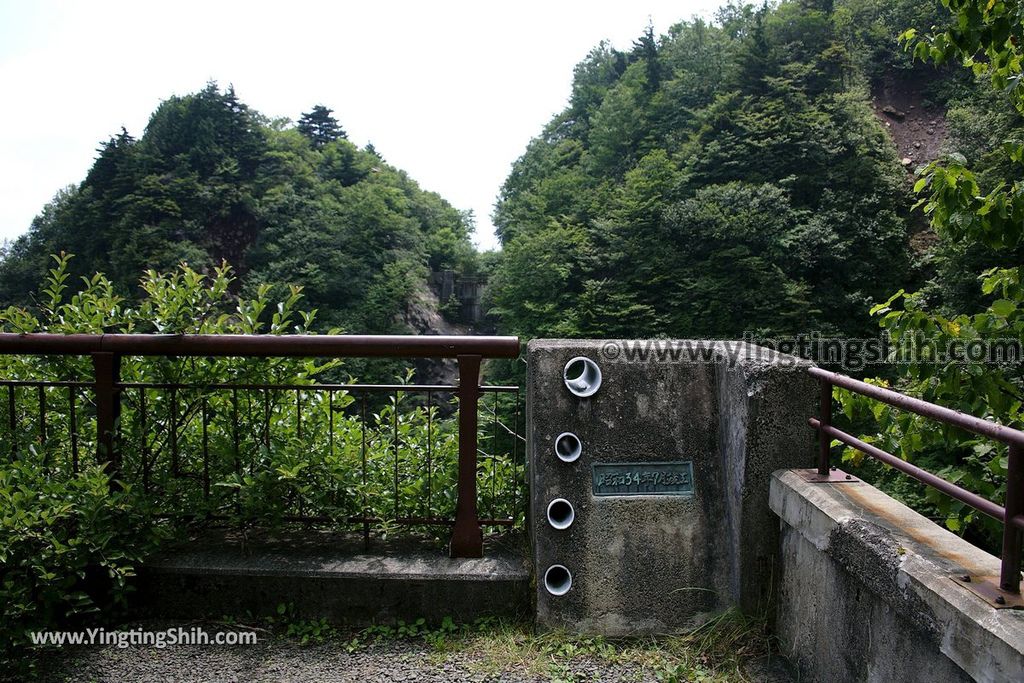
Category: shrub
<point>68,547</point>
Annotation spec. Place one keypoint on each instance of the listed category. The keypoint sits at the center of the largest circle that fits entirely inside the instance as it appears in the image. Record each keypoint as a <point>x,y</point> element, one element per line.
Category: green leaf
<point>1003,307</point>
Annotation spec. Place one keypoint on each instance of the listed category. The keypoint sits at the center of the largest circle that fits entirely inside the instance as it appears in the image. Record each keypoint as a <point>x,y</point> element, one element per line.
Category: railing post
<point>467,538</point>
<point>107,367</point>
<point>825,418</point>
<point>1009,575</point>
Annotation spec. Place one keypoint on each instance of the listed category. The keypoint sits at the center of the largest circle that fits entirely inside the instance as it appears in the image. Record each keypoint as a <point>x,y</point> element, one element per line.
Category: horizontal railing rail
<point>1011,514</point>
<point>310,346</point>
<point>106,351</point>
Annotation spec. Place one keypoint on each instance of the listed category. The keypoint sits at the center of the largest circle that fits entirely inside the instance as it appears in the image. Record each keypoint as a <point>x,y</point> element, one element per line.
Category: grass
<point>719,650</point>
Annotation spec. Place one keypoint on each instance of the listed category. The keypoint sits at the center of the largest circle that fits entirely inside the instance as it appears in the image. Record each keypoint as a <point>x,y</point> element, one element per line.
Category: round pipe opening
<point>568,447</point>
<point>561,513</point>
<point>557,580</point>
<point>582,376</point>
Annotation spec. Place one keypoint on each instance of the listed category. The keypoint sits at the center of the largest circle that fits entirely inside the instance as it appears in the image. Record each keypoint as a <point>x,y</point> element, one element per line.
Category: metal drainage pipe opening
<point>561,513</point>
<point>568,447</point>
<point>582,376</point>
<point>557,580</point>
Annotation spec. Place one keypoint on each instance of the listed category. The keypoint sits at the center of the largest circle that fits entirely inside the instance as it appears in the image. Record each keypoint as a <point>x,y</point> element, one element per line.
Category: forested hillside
<point>211,179</point>
<point>732,176</point>
<point>752,173</point>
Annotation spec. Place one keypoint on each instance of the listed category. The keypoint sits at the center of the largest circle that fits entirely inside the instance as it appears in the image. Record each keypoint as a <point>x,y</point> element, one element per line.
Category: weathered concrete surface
<point>865,592</point>
<point>653,564</point>
<point>764,401</point>
<point>331,576</point>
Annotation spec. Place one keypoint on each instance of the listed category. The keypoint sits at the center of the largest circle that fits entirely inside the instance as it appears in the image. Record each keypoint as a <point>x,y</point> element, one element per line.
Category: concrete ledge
<point>866,593</point>
<point>331,576</point>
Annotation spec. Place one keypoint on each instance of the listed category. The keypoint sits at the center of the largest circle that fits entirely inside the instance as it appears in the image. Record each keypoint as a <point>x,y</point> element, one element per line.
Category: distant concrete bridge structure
<point>466,290</point>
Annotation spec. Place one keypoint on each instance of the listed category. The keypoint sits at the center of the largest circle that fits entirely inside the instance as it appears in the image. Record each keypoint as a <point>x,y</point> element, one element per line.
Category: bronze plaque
<point>643,478</point>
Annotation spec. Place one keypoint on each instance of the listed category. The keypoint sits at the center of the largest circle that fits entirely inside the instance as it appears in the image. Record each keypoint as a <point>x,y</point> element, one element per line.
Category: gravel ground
<point>279,659</point>
<point>284,661</point>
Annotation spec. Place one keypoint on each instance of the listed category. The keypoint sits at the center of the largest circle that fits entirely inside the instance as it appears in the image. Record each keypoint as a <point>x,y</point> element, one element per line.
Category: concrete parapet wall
<point>331,575</point>
<point>865,592</point>
<point>659,562</point>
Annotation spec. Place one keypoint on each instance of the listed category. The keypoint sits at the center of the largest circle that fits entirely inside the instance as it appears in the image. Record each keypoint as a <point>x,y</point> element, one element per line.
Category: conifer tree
<point>320,126</point>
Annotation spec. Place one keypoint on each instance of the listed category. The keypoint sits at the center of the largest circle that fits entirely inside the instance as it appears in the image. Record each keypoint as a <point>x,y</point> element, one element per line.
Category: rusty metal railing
<point>1011,514</point>
<point>107,350</point>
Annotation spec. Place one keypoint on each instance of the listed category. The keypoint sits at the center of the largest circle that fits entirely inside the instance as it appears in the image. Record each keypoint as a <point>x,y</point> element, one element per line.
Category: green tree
<point>210,180</point>
<point>740,270</point>
<point>759,109</point>
<point>986,38</point>
<point>646,49</point>
<point>535,286</point>
<point>320,126</point>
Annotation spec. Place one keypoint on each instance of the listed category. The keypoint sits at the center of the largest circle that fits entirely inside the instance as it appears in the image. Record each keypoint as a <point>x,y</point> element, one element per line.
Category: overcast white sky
<point>449,91</point>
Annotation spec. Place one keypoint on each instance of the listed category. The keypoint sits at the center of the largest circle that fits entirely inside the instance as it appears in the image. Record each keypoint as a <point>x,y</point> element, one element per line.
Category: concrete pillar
<point>669,493</point>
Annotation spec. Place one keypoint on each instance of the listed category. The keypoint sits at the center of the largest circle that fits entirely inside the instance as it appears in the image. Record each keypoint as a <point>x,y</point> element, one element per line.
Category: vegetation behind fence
<point>203,440</point>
